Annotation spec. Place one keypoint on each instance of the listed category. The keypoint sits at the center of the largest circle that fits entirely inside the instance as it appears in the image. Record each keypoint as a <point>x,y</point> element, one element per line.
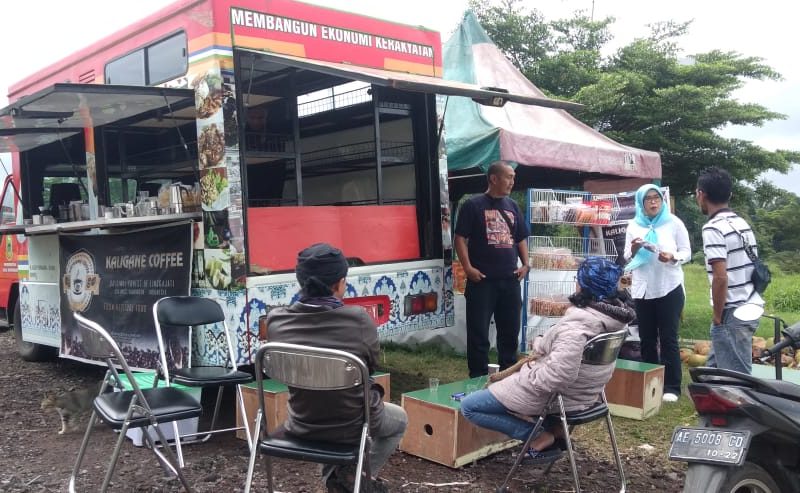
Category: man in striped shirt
<point>729,271</point>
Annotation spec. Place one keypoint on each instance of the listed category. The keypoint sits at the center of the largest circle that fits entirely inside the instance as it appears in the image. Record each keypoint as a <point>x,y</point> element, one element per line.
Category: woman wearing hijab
<point>319,318</point>
<point>554,365</point>
<point>657,245</point>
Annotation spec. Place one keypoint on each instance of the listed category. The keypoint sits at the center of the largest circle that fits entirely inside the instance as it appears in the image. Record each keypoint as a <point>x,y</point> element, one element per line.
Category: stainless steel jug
<point>177,191</point>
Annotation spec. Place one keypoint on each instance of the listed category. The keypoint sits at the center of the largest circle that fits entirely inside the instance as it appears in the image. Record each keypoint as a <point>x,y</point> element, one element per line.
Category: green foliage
<point>648,94</point>
<point>782,297</point>
<point>786,261</point>
<point>787,299</point>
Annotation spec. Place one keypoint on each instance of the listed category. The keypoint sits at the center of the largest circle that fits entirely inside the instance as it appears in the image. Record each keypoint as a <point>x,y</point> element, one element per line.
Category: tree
<point>646,94</point>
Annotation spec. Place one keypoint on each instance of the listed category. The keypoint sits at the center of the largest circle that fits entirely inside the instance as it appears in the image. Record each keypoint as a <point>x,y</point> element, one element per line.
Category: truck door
<point>9,249</point>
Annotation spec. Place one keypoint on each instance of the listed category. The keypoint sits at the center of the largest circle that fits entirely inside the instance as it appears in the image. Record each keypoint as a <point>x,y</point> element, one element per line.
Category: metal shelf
<point>566,253</point>
<point>576,207</point>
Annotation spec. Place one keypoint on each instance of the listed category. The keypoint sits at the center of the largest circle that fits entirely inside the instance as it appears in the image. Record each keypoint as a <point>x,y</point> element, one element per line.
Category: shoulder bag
<point>761,276</point>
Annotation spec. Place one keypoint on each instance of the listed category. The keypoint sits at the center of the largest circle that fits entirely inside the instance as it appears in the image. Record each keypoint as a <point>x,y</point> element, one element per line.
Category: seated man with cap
<point>319,318</point>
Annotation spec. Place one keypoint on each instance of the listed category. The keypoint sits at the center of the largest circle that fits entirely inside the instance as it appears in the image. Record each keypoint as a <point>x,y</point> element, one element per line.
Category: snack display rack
<point>554,259</point>
<point>547,300</point>
<point>566,253</point>
<point>579,208</point>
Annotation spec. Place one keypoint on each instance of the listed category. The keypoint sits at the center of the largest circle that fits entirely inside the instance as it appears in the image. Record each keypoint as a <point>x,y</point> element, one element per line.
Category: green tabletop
<point>443,396</point>
<point>273,386</point>
<point>145,381</point>
<point>625,364</point>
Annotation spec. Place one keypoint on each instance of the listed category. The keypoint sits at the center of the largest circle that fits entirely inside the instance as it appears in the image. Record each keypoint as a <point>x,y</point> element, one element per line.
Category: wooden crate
<point>635,389</point>
<point>276,400</point>
<point>438,432</point>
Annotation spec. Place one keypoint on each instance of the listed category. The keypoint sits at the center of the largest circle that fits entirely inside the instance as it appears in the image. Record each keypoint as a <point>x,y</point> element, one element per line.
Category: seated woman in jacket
<point>554,365</point>
<point>320,319</point>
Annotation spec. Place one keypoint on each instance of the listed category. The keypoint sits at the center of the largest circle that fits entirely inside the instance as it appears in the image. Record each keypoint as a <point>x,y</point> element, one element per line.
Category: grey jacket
<point>332,416</point>
<point>558,365</point>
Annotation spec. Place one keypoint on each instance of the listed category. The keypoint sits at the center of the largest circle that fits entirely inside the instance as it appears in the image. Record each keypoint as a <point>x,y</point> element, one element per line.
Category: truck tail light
<point>416,304</point>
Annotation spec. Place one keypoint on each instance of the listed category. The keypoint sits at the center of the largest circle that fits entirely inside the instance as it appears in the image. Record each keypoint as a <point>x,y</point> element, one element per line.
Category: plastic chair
<point>310,368</point>
<point>137,408</point>
<point>599,350</point>
<point>184,313</point>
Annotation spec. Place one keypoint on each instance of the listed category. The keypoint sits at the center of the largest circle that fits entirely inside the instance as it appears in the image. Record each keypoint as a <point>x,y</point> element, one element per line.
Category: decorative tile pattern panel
<point>244,307</point>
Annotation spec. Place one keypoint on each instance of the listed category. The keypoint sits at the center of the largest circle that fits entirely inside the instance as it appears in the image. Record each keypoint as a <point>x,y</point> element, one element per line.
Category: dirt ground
<point>34,458</point>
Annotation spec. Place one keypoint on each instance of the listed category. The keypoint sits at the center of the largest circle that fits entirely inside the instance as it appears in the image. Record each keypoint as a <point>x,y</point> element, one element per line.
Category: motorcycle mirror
<point>748,312</point>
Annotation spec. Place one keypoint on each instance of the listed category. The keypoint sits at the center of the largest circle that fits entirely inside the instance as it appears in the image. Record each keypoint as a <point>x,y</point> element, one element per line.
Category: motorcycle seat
<point>786,389</point>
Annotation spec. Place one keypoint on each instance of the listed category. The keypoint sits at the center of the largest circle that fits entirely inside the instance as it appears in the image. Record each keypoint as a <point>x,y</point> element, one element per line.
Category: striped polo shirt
<point>722,242</point>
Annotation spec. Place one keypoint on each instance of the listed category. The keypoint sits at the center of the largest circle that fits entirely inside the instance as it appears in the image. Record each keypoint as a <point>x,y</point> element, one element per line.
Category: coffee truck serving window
<point>335,160</point>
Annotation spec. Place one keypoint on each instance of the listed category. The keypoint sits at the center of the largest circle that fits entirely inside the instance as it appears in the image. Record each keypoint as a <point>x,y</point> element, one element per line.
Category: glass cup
<point>433,384</point>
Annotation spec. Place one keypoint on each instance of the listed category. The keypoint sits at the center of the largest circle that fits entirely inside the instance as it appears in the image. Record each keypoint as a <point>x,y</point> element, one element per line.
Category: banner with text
<point>114,280</point>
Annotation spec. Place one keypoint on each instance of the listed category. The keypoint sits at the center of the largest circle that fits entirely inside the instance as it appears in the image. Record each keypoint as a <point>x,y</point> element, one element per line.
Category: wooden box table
<point>438,432</point>
<point>276,401</point>
<point>635,389</point>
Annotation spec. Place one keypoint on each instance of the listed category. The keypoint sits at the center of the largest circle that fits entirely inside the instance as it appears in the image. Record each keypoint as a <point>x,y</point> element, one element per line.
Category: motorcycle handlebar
<point>791,338</point>
<point>777,348</point>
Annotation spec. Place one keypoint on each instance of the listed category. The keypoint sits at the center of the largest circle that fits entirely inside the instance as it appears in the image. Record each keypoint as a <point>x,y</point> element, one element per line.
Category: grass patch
<point>697,311</point>
<point>411,368</point>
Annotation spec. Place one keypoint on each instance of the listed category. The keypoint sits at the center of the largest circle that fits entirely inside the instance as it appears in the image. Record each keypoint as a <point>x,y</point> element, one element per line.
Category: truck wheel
<point>28,350</point>
<point>750,478</point>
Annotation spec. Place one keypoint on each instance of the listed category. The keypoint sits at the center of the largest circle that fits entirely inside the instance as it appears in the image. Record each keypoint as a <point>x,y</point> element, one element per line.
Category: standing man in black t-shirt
<point>490,235</point>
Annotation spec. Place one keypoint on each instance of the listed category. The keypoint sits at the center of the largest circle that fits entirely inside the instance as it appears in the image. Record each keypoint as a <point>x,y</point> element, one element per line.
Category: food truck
<point>198,150</point>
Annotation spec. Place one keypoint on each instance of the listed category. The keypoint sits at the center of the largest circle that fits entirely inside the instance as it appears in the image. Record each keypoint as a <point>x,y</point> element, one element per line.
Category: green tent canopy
<point>533,136</point>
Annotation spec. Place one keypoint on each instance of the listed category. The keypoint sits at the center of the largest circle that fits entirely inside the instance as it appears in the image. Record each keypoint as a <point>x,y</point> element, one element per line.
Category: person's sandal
<point>546,456</point>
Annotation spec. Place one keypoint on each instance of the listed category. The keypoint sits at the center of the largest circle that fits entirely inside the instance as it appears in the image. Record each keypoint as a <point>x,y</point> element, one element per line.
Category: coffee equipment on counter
<point>178,192</point>
<point>43,217</point>
<point>146,206</point>
<point>124,209</point>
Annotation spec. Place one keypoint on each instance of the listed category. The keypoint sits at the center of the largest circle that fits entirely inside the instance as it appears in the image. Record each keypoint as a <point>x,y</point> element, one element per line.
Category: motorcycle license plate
<point>709,445</point>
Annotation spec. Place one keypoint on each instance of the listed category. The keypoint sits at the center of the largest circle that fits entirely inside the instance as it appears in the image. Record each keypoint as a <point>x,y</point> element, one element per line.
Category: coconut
<point>685,353</point>
<point>696,360</point>
<point>759,345</point>
<point>702,347</point>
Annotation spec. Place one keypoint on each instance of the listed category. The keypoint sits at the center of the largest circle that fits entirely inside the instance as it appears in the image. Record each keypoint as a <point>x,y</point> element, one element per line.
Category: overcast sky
<point>36,33</point>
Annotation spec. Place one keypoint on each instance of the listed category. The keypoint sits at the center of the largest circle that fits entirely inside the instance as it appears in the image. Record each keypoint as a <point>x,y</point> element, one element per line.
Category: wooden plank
<point>431,431</point>
<point>438,432</point>
<point>626,387</point>
<point>276,400</point>
<point>635,389</point>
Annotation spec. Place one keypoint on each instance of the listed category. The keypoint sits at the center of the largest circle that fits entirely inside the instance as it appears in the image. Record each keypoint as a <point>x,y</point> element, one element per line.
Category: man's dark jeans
<point>501,298</point>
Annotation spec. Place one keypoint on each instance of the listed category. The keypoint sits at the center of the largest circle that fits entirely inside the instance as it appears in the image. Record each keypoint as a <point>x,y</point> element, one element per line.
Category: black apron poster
<point>114,280</point>
<point>616,234</point>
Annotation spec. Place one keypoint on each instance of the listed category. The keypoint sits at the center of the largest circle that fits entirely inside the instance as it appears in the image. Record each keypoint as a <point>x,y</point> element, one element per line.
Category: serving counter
<point>101,223</point>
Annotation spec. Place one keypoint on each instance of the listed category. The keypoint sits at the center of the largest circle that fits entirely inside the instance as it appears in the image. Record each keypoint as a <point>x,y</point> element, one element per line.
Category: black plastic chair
<point>310,368</point>
<point>185,313</point>
<point>599,350</point>
<point>137,408</point>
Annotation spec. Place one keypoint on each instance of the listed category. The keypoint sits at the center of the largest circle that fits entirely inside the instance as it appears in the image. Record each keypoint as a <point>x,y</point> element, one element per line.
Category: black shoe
<point>546,456</point>
<point>342,480</point>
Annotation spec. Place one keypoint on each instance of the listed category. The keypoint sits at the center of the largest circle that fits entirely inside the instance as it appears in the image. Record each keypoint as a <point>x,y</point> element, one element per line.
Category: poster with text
<point>114,280</point>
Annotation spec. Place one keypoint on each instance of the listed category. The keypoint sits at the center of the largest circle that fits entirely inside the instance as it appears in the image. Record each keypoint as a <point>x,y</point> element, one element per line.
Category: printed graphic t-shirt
<point>492,245</point>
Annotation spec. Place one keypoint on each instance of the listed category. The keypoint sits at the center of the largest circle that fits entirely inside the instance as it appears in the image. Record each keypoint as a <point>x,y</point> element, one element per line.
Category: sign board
<point>309,31</point>
<point>116,281</point>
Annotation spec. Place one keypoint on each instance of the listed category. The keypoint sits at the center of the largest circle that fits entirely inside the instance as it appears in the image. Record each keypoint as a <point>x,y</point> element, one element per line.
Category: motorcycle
<point>748,436</point>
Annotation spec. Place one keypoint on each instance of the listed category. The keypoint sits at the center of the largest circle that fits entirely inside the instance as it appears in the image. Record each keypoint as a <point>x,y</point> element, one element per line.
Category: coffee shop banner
<point>114,280</point>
